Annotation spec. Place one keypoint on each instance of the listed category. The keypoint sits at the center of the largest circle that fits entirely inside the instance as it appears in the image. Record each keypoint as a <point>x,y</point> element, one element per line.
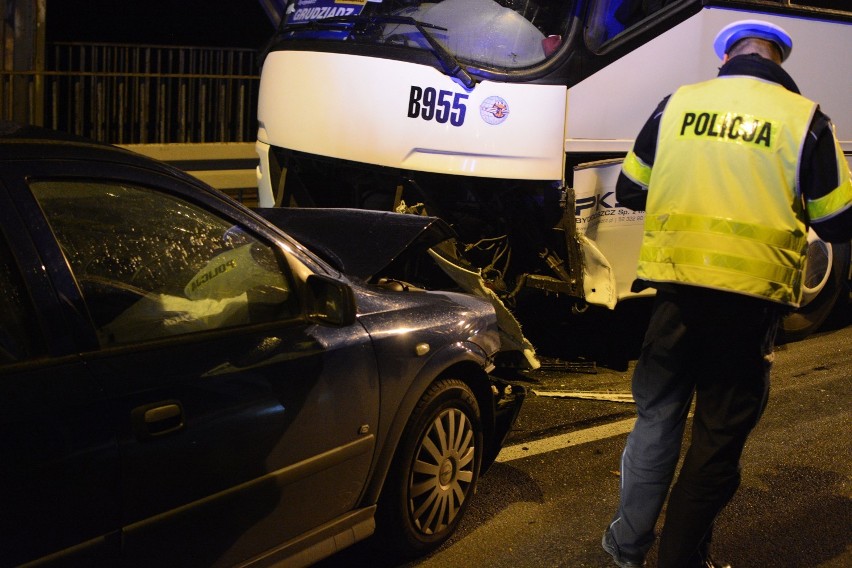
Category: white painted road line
<point>589,395</point>
<point>519,451</point>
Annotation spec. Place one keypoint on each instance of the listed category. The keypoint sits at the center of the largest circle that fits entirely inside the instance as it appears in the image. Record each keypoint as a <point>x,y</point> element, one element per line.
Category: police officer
<point>731,173</point>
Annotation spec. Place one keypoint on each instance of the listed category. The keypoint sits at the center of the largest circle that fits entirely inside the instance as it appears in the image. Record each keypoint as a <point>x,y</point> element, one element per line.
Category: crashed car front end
<point>394,251</point>
<point>387,251</point>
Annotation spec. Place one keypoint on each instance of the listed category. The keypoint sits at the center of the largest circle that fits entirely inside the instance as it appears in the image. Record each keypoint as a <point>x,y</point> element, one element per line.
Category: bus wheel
<point>826,290</point>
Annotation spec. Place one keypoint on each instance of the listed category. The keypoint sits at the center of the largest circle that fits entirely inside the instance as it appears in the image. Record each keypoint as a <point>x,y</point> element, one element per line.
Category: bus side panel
<point>635,84</point>
<point>610,235</point>
<point>397,114</point>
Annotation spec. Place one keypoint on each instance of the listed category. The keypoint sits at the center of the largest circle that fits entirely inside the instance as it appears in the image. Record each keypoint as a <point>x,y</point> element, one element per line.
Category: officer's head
<point>753,36</point>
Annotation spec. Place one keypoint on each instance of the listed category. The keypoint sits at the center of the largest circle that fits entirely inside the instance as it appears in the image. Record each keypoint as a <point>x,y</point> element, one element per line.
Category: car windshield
<point>507,34</point>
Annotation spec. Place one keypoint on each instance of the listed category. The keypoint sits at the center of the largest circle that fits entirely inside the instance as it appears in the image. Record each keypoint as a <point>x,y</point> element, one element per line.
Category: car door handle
<point>157,419</point>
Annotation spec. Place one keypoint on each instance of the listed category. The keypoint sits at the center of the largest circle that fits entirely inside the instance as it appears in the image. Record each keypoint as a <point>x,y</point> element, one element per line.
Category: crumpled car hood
<point>359,242</point>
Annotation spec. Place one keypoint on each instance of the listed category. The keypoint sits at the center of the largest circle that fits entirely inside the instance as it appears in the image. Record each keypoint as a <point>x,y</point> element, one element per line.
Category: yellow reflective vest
<point>723,208</point>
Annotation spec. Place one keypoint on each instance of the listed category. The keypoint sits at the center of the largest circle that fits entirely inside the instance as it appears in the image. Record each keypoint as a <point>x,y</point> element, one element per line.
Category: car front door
<point>59,466</point>
<point>240,424</point>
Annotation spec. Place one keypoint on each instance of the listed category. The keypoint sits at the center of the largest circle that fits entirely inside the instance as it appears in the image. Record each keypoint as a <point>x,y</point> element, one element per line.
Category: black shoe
<point>622,561</point>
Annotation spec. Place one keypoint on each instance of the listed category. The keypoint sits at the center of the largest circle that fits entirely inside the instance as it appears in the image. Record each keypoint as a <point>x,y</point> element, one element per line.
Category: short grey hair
<point>761,47</point>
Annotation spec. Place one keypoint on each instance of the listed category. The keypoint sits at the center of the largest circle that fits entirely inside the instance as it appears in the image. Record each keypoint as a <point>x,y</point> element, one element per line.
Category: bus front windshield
<point>504,34</point>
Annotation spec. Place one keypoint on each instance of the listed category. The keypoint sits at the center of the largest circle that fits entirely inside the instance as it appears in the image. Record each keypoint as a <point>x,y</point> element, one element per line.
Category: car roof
<point>23,142</point>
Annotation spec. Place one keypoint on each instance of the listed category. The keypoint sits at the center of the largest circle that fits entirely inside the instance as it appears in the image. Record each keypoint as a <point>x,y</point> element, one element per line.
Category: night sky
<point>207,23</point>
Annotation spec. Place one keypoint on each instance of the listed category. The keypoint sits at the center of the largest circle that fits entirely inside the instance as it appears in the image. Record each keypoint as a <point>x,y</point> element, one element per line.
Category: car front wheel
<point>435,471</point>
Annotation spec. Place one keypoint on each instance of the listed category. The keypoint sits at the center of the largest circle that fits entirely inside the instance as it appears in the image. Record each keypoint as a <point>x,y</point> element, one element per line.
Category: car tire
<point>828,267</point>
<point>435,471</point>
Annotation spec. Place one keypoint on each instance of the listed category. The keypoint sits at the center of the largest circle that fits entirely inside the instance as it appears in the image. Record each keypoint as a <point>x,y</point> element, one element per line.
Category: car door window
<point>153,265</point>
<point>18,337</point>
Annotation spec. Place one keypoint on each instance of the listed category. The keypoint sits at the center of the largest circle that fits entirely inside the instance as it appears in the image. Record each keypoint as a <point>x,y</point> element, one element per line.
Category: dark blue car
<point>183,383</point>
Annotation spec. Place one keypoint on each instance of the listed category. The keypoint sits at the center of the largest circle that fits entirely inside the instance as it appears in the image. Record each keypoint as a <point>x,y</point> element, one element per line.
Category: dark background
<point>203,23</point>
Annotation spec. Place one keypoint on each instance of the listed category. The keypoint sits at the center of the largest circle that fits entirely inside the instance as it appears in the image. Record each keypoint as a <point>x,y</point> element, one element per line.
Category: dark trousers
<point>716,347</point>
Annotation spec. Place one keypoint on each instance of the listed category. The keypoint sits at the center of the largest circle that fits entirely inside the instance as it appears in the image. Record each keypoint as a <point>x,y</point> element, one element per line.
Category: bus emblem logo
<point>494,110</point>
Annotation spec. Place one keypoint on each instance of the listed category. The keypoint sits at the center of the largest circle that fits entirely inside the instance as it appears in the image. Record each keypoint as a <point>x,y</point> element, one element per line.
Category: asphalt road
<point>555,486</point>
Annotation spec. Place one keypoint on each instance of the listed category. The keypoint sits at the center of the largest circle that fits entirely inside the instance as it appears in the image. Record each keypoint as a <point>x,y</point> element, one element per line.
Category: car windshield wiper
<point>450,64</point>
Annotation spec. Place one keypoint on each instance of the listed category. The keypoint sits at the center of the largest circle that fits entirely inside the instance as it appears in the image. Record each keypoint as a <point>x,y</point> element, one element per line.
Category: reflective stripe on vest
<point>751,259</point>
<point>840,198</point>
<point>636,169</point>
<point>723,208</point>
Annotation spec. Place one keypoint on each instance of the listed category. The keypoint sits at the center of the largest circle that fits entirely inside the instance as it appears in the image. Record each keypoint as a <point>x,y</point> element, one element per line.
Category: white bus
<point>509,118</point>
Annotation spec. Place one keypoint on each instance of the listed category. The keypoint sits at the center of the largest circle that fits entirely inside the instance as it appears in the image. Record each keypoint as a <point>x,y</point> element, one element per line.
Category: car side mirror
<point>329,302</point>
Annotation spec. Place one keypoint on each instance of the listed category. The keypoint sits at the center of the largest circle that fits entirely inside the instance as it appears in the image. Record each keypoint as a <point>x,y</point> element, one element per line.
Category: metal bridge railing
<point>130,94</point>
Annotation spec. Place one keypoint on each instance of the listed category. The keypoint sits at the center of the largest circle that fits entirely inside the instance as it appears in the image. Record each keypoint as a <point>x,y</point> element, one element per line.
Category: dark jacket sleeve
<point>630,194</point>
<point>628,191</point>
<point>820,175</point>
